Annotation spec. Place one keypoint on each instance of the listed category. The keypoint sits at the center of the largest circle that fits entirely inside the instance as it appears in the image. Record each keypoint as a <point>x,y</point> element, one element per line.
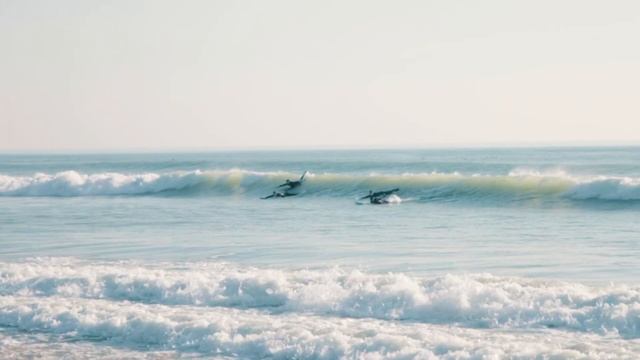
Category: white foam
<point>72,183</point>
<point>393,199</point>
<point>584,187</point>
<point>258,335</point>
<point>474,301</point>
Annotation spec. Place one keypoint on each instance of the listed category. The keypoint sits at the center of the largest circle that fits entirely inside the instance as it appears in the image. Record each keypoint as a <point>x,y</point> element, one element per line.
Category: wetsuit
<point>294,184</point>
<point>379,194</point>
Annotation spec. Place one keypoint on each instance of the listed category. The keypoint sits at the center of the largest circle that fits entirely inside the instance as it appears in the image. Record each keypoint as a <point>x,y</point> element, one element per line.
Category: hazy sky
<point>128,74</point>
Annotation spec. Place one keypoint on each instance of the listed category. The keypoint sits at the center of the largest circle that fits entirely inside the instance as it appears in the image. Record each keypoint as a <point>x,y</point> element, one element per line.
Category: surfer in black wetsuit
<point>293,184</point>
<point>277,194</point>
<point>379,197</point>
<point>290,186</point>
<point>377,200</point>
<point>379,194</point>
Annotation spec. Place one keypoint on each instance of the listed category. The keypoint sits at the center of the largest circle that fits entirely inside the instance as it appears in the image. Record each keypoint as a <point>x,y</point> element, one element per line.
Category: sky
<point>133,74</point>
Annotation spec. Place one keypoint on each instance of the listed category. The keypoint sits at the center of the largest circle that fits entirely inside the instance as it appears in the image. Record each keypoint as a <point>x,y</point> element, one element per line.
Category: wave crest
<point>516,185</point>
<point>73,183</point>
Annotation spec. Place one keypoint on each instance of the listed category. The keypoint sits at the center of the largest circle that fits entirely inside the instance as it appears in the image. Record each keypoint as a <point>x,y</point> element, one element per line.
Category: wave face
<point>237,311</point>
<point>519,184</point>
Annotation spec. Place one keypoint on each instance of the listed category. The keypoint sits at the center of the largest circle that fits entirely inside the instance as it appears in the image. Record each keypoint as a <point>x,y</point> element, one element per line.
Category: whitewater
<point>527,253</point>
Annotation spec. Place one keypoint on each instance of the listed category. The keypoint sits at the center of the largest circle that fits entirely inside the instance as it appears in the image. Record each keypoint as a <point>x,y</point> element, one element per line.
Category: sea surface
<point>484,254</point>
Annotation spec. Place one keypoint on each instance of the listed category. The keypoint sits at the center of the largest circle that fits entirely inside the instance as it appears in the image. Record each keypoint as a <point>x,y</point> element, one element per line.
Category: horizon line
<point>452,146</point>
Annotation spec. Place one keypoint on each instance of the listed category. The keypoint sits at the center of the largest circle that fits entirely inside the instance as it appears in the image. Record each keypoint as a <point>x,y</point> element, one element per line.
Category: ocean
<point>482,254</point>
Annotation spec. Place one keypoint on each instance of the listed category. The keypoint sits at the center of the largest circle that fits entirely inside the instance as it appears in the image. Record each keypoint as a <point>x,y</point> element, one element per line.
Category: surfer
<point>379,197</point>
<point>379,194</point>
<point>278,194</point>
<point>378,200</point>
<point>294,184</point>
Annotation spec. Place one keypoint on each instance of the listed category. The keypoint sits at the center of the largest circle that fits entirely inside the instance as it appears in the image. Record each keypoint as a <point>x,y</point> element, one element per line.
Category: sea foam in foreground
<point>225,309</point>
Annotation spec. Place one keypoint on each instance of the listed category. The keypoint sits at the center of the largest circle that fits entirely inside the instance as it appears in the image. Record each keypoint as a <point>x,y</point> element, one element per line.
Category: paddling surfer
<point>294,184</point>
<point>379,197</point>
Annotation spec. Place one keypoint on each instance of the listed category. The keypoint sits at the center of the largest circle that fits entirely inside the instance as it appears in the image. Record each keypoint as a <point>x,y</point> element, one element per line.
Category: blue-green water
<point>480,243</point>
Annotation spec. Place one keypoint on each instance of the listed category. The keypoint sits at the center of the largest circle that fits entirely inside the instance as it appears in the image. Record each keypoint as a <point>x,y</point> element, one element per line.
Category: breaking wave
<point>252,334</point>
<point>53,306</point>
<point>425,186</point>
<point>476,301</point>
